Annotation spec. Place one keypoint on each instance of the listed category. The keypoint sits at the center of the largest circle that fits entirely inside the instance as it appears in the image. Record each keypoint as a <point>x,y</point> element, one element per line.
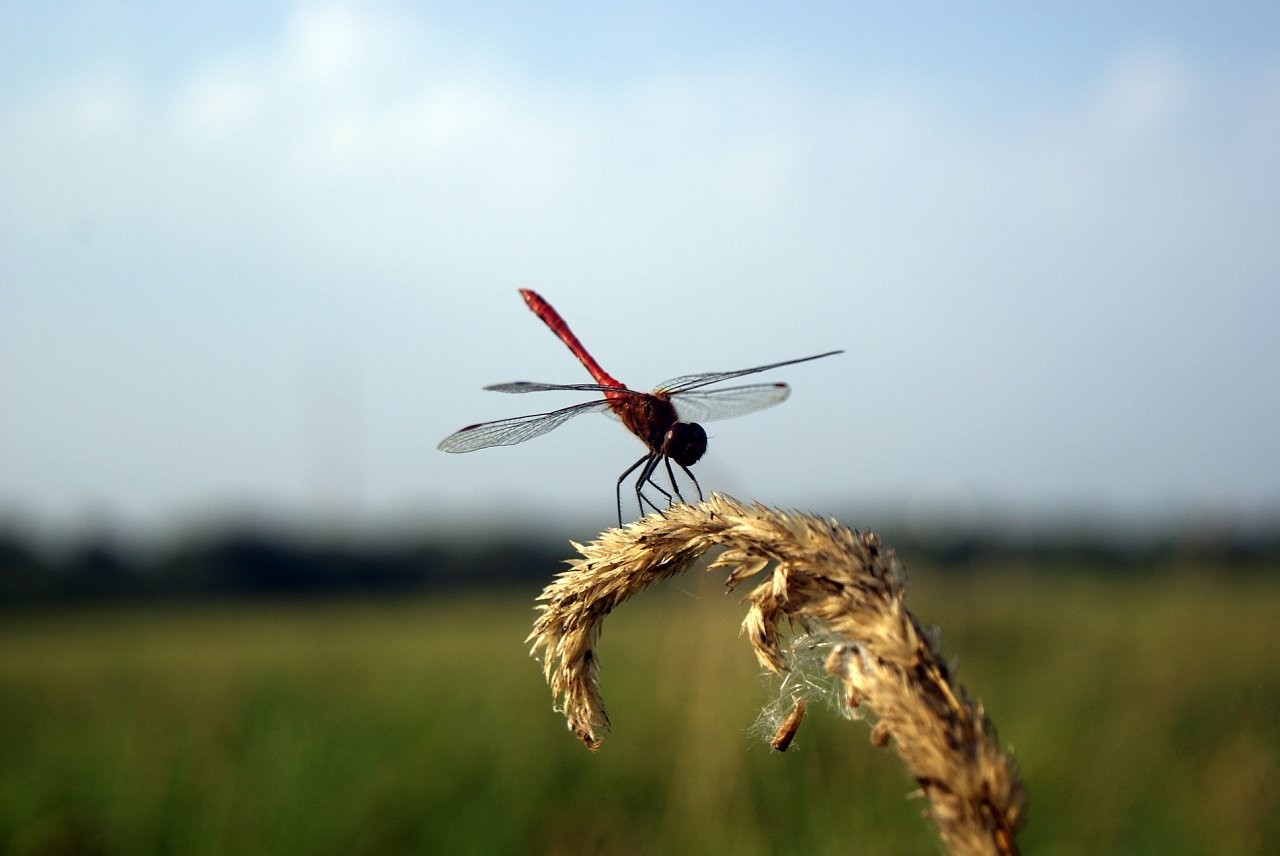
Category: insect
<point>663,419</point>
<point>787,729</point>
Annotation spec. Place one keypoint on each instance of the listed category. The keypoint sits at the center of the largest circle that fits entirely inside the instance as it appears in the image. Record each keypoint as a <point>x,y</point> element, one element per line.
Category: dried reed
<point>842,588</point>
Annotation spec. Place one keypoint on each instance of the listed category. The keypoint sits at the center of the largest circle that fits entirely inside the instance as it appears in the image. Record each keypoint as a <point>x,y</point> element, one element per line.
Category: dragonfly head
<point>685,443</point>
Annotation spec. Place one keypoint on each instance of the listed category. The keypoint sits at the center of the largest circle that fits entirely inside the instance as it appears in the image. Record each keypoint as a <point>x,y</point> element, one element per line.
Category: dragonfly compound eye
<point>685,443</point>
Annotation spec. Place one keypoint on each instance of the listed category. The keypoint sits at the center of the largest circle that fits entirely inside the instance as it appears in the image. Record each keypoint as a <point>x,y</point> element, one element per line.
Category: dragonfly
<point>665,419</point>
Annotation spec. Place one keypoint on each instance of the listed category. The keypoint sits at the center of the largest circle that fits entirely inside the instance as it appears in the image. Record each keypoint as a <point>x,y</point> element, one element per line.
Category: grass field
<point>1145,715</point>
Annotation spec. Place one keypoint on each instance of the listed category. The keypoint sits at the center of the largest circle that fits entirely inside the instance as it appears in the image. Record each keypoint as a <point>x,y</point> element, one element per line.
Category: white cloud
<point>332,44</point>
<point>1144,94</point>
<point>220,101</point>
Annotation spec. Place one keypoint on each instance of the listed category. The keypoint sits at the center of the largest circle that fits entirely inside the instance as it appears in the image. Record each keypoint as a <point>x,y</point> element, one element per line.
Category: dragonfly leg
<point>618,489</point>
<point>646,477</point>
<point>675,486</point>
<point>692,478</point>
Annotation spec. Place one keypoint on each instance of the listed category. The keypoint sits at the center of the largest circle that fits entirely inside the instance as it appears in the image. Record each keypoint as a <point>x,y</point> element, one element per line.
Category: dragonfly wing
<point>531,386</point>
<point>732,401</point>
<point>508,432</point>
<point>678,384</point>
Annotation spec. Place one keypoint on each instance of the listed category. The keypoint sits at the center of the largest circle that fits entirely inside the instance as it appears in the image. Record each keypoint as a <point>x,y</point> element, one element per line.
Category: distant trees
<point>257,562</point>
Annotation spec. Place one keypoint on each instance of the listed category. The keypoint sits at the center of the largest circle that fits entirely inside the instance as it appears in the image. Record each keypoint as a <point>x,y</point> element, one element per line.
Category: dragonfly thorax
<point>685,443</point>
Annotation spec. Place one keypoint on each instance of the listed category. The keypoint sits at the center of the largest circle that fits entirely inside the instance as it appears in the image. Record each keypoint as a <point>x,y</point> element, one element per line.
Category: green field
<point>1145,714</point>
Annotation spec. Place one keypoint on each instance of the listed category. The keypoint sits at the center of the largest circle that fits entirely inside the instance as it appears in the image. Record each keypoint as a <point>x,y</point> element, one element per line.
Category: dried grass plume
<point>840,587</point>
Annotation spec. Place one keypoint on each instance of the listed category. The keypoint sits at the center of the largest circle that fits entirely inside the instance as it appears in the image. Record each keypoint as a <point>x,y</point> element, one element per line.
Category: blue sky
<point>260,258</point>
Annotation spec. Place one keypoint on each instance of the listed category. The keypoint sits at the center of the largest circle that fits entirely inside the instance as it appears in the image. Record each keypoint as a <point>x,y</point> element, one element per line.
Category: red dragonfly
<point>662,419</point>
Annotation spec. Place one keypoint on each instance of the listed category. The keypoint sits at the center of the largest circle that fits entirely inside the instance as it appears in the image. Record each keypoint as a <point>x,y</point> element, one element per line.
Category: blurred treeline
<point>254,561</point>
<point>258,563</point>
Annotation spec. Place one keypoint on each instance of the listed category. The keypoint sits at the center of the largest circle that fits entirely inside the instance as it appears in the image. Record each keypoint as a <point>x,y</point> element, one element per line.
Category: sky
<point>259,258</point>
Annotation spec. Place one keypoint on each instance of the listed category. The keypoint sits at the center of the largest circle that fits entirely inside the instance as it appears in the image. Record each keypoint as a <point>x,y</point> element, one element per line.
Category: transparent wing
<point>731,401</point>
<point>531,386</point>
<point>508,432</point>
<point>684,382</point>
